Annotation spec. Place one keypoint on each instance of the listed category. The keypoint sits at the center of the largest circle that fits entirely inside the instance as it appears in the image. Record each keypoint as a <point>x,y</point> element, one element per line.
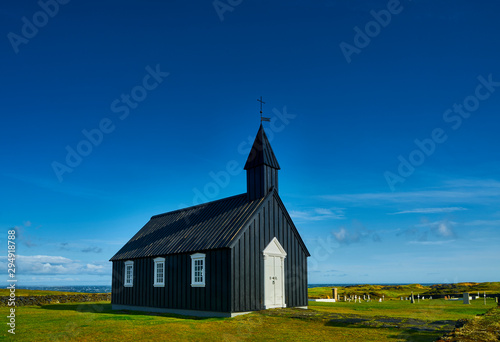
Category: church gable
<point>274,218</point>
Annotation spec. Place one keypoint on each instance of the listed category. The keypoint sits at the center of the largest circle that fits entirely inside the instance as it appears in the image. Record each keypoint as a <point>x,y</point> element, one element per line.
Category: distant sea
<point>106,289</point>
<point>69,288</point>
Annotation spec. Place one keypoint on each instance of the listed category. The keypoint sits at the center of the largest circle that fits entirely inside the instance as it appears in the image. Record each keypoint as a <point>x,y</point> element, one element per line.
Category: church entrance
<point>274,275</point>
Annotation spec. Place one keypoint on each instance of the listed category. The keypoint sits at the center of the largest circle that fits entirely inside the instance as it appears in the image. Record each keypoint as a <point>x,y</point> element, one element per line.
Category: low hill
<point>27,293</point>
<point>396,291</point>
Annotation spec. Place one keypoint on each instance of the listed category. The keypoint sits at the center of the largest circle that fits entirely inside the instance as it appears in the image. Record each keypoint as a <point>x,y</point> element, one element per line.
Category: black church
<point>223,258</point>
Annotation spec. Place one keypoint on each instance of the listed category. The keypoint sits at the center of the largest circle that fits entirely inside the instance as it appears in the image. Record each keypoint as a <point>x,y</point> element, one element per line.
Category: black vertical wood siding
<point>177,293</point>
<point>260,180</point>
<point>248,261</point>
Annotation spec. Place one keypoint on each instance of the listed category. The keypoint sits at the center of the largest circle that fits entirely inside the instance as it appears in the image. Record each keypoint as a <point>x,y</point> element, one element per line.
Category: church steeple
<point>262,167</point>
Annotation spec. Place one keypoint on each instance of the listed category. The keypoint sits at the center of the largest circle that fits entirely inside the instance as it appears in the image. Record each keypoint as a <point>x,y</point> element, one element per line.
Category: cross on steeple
<point>261,102</point>
<point>261,117</point>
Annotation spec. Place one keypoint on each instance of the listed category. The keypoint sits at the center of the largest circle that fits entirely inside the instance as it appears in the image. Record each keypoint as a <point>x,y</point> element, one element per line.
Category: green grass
<point>431,310</point>
<point>96,321</point>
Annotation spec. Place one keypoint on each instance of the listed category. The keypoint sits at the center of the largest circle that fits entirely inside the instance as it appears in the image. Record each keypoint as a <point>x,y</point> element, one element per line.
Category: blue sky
<point>385,119</point>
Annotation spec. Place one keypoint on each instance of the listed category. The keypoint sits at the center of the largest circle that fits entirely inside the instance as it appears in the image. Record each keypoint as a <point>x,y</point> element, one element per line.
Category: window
<point>198,270</point>
<point>159,274</point>
<point>129,274</point>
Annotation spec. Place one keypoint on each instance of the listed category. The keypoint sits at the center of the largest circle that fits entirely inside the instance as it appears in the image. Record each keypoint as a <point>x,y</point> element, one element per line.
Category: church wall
<point>177,293</point>
<point>248,262</point>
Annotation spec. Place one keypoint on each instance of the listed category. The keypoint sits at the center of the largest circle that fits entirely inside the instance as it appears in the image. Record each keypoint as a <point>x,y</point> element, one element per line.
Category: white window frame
<point>158,261</point>
<point>194,281</point>
<point>131,282</point>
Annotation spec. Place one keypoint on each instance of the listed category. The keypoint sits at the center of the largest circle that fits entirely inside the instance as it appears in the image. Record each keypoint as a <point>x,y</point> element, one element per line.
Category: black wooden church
<point>222,258</point>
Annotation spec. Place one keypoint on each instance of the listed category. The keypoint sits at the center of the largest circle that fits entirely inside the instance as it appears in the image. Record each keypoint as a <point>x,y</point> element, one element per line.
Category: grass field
<point>390,320</point>
<point>97,322</point>
<point>27,293</point>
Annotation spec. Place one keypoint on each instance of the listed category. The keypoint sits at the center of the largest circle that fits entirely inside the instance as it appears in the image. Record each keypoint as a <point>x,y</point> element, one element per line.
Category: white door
<point>274,272</point>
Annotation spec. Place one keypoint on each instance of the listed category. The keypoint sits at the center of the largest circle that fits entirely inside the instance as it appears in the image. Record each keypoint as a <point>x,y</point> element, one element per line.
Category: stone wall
<point>56,299</point>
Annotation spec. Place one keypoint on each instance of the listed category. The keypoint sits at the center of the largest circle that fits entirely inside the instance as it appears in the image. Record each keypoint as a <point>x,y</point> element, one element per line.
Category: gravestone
<point>466,298</point>
<point>334,293</point>
<point>412,299</point>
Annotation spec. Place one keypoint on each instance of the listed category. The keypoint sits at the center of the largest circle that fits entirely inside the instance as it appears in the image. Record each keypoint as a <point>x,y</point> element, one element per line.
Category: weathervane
<point>261,117</point>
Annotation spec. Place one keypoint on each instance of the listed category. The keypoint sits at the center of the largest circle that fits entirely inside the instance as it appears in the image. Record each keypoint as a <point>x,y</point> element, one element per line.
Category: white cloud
<point>94,267</point>
<point>429,210</point>
<point>355,234</point>
<point>341,235</point>
<point>318,214</point>
<point>454,191</point>
<point>57,265</point>
<point>440,229</point>
<point>44,259</point>
<point>473,183</point>
<point>445,229</point>
<point>483,223</point>
<point>441,242</point>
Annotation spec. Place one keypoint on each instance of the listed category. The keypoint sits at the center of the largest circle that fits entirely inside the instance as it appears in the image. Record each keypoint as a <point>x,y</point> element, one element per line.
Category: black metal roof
<point>206,226</point>
<point>261,152</point>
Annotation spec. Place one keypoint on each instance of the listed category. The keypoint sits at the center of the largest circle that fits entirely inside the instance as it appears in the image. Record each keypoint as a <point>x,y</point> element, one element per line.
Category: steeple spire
<point>261,166</point>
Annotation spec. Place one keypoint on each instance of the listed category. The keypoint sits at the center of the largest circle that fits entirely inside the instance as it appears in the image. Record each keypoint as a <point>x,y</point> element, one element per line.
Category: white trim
<point>129,283</point>
<point>155,275</point>
<point>198,260</point>
<point>274,249</point>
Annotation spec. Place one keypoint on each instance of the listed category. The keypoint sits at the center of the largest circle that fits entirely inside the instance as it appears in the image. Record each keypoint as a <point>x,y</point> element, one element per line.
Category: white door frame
<point>274,249</point>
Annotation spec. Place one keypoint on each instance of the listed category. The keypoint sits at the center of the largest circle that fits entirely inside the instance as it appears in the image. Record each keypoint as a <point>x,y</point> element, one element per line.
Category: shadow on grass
<point>409,335</point>
<point>100,308</point>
